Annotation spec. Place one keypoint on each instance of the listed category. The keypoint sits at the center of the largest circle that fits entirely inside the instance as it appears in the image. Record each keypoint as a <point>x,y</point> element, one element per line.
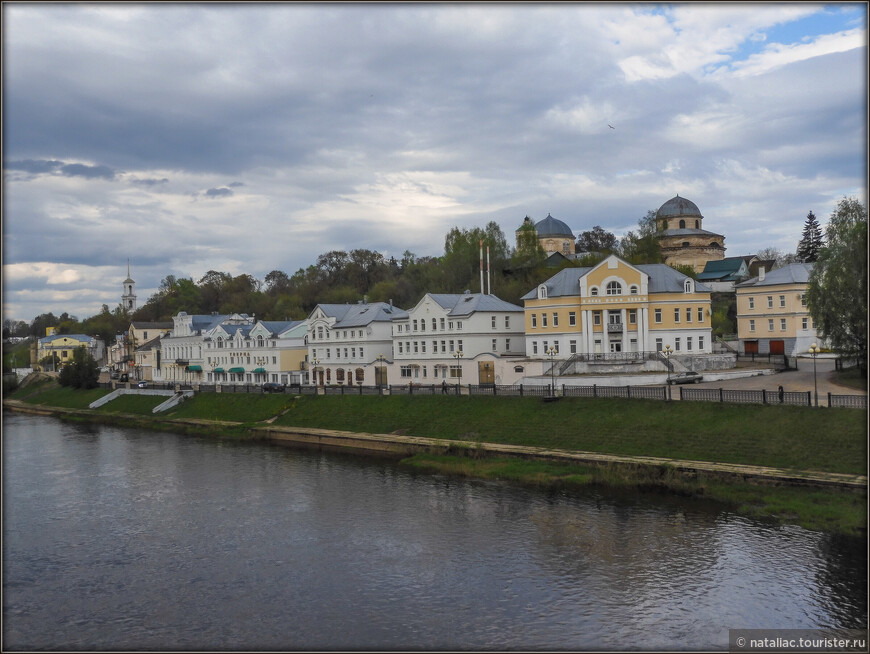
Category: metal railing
<point>520,390</point>
<point>798,398</point>
<point>629,392</point>
<point>847,401</point>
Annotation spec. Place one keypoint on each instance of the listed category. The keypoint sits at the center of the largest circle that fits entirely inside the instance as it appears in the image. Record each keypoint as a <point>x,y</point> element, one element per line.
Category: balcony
<point>614,328</point>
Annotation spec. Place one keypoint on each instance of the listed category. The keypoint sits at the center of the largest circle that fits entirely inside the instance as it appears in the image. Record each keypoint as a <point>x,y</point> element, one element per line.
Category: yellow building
<point>615,308</point>
<point>681,237</point>
<point>772,313</point>
<point>55,350</point>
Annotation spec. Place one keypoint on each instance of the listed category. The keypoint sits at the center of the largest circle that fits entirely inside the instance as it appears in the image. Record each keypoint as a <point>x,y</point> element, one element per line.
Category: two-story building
<point>772,313</point>
<point>244,353</point>
<point>460,338</point>
<point>181,355</point>
<point>351,343</point>
<point>55,350</point>
<point>137,334</point>
<point>615,307</point>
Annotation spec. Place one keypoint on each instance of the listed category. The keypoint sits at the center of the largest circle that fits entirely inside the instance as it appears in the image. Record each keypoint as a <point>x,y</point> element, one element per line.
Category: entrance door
<point>615,346</point>
<point>320,375</point>
<point>750,347</point>
<point>486,372</point>
<point>777,347</point>
<point>381,376</point>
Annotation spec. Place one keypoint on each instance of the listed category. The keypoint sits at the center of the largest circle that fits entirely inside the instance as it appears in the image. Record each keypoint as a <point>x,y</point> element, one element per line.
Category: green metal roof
<point>236,370</point>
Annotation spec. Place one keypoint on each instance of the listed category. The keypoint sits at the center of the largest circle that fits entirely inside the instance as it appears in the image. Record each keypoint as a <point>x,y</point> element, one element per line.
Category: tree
<point>642,246</point>
<point>776,255</point>
<point>81,372</point>
<point>597,240</point>
<point>811,240</point>
<point>837,288</point>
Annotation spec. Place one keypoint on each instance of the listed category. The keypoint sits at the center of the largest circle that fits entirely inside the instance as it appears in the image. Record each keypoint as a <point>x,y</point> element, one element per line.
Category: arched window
<point>688,286</point>
<point>697,224</point>
<point>686,244</point>
<point>434,324</point>
<point>593,290</point>
<point>220,342</point>
<point>542,292</point>
<point>339,375</point>
<point>682,224</point>
<point>614,288</point>
<point>714,244</point>
<point>633,289</point>
<point>360,375</point>
<point>259,341</point>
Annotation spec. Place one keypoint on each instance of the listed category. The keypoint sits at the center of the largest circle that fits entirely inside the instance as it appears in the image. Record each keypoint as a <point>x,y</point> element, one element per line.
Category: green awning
<point>236,370</point>
<point>194,368</point>
<point>256,370</point>
<point>218,369</point>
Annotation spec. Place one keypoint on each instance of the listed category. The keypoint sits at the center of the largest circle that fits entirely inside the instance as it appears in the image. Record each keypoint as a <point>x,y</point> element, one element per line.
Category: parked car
<point>689,377</point>
<point>142,384</point>
<point>273,387</point>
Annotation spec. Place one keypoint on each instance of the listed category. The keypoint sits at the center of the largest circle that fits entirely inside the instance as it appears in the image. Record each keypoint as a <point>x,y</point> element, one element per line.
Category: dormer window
<point>542,292</point>
<point>593,290</point>
<point>632,289</point>
<point>614,288</point>
<point>688,286</point>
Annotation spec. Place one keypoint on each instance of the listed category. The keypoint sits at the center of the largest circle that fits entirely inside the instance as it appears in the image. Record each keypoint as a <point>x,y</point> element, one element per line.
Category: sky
<point>247,138</point>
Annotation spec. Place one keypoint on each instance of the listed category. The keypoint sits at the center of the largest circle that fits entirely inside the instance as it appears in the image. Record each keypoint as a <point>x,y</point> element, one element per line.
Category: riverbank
<point>715,451</point>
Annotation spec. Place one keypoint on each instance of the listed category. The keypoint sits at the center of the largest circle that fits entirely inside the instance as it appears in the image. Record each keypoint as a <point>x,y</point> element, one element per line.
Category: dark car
<point>686,378</point>
<point>273,387</point>
<point>142,384</point>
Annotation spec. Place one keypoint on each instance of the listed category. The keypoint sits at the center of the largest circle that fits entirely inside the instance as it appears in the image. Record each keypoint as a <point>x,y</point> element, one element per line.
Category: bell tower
<point>128,299</point>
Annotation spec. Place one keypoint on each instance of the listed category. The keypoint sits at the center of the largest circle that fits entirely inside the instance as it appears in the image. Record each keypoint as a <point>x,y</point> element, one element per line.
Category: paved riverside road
<point>790,380</point>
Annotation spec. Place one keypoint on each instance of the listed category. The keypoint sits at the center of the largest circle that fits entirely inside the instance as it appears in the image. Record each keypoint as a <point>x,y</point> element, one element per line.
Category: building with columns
<point>615,307</point>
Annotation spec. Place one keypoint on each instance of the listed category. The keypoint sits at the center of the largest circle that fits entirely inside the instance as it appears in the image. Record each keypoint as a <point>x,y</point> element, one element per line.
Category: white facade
<point>347,342</point>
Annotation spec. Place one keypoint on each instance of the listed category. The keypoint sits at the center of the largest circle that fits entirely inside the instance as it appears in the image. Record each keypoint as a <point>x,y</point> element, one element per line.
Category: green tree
<point>837,288</point>
<point>642,246</point>
<point>597,240</point>
<point>81,372</point>
<point>811,240</point>
<point>686,269</point>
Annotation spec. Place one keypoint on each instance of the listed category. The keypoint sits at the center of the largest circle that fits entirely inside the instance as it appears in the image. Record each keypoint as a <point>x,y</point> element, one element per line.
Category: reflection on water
<point>125,539</point>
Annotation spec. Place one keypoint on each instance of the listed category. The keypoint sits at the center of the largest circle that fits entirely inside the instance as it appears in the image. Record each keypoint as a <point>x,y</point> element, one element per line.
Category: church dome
<point>550,226</point>
<point>678,206</point>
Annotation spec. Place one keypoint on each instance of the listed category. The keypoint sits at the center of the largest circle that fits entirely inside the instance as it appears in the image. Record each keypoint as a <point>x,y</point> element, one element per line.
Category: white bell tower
<point>128,299</point>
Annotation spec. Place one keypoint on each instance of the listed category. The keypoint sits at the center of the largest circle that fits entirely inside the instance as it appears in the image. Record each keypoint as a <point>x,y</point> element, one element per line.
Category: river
<point>126,539</point>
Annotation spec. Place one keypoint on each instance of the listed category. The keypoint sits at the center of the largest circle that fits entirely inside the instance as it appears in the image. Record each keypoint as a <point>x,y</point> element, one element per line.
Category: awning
<point>194,368</point>
<point>218,369</point>
<point>236,370</point>
<point>256,370</point>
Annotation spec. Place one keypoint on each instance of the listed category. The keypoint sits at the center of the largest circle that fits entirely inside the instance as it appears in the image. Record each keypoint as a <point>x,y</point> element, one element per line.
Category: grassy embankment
<point>797,438</point>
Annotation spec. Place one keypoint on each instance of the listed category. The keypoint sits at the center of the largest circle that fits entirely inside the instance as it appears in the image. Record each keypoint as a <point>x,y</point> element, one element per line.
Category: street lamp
<point>381,370</point>
<point>552,354</point>
<point>668,354</point>
<point>458,355</point>
<point>814,350</point>
<point>314,362</point>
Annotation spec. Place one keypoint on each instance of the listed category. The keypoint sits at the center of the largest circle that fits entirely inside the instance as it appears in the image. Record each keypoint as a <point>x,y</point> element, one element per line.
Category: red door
<point>750,347</point>
<point>777,347</point>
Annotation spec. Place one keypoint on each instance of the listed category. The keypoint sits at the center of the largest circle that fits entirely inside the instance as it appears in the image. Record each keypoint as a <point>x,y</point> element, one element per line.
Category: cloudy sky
<point>249,138</point>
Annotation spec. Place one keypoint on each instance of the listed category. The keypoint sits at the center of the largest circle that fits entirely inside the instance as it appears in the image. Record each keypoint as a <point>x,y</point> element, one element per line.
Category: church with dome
<point>553,235</point>
<point>682,239</point>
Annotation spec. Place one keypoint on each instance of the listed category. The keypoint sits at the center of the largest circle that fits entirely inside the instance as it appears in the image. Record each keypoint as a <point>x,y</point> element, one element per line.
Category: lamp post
<point>380,371</point>
<point>314,362</point>
<point>668,354</point>
<point>552,354</point>
<point>814,350</point>
<point>458,355</point>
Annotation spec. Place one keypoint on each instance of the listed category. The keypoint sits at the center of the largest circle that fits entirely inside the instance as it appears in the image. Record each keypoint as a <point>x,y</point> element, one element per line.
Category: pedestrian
<point>444,387</point>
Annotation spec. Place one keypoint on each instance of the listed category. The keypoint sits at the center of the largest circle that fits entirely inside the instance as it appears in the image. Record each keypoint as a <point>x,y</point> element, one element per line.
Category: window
<point>456,371</point>
<point>659,347</point>
<point>752,325</point>
<point>442,323</point>
<point>406,371</point>
<point>443,346</point>
<point>327,353</point>
<point>534,347</point>
<point>400,347</point>
<point>459,325</point>
<point>782,300</point>
<point>803,300</point>
<point>572,347</point>
<point>451,347</point>
<point>676,315</point>
<point>632,316</point>
<point>593,290</point>
<point>415,325</point>
<point>459,345</point>
<point>688,315</point>
<point>688,286</point>
<point>361,355</point>
<point>450,325</point>
<point>543,320</point>
<point>434,347</point>
<point>546,346</point>
<point>751,302</point>
<point>688,343</point>
<point>534,321</point>
<point>494,346</point>
<point>555,320</point>
<point>572,318</point>
<point>398,329</point>
<point>782,324</point>
<point>493,322</point>
<point>434,325</point>
<point>614,288</point>
<point>700,314</point>
<point>805,323</point>
<point>542,292</point>
<point>337,350</point>
<point>507,345</point>
<point>596,317</point>
<point>507,322</point>
<point>556,346</point>
<point>770,302</point>
<point>677,344</point>
<point>423,347</point>
<point>658,315</point>
<point>770,325</point>
<point>632,289</point>
<point>416,344</point>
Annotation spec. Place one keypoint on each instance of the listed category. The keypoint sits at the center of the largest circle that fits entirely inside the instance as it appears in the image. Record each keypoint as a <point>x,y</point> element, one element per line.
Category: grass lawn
<point>851,377</point>
<point>805,438</point>
<point>238,407</point>
<point>51,394</point>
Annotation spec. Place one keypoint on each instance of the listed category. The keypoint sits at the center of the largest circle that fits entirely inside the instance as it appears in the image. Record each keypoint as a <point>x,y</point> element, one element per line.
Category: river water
<point>126,539</point>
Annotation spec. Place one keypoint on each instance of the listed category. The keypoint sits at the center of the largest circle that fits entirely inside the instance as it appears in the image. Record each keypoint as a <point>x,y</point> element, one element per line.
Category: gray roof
<point>462,304</point>
<point>359,315</point>
<point>685,231</point>
<point>793,273</point>
<point>76,337</point>
<point>275,327</point>
<point>662,279</point>
<point>149,344</point>
<point>550,226</point>
<point>678,206</point>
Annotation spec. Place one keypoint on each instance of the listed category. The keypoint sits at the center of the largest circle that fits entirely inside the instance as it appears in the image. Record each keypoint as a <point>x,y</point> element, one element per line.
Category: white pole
<point>488,287</point>
<point>481,266</point>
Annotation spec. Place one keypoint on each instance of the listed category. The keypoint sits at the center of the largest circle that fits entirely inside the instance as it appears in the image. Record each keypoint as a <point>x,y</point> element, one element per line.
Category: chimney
<point>761,273</point>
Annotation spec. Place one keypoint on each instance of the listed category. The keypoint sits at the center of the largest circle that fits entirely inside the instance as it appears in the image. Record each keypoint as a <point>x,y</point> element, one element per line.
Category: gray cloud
<point>218,192</point>
<point>34,166</point>
<point>89,172</point>
<point>150,182</point>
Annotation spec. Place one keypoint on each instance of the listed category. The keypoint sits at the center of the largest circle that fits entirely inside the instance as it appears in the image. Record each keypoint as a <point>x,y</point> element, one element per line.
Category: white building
<point>460,338</point>
<point>348,342</point>
<point>181,358</point>
<point>255,353</point>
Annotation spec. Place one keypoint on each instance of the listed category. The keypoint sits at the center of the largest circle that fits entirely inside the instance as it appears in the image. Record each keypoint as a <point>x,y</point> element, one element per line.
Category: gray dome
<point>678,206</point>
<point>550,226</point>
